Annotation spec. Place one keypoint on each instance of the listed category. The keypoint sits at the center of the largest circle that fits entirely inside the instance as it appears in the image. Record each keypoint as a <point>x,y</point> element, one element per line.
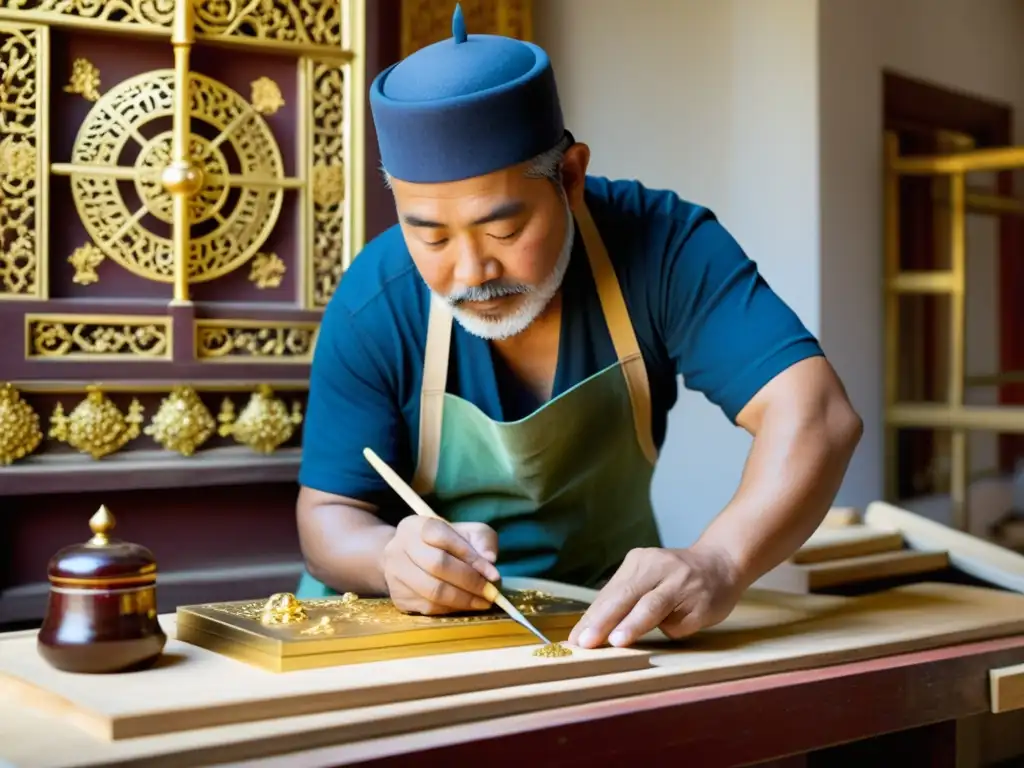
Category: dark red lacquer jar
<point>102,612</point>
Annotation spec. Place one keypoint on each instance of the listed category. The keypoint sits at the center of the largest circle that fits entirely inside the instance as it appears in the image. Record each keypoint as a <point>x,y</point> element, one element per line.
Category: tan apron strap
<point>435,382</point>
<point>620,328</point>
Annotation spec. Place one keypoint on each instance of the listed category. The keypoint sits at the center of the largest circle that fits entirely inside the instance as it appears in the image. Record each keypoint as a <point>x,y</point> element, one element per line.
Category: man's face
<point>495,246</point>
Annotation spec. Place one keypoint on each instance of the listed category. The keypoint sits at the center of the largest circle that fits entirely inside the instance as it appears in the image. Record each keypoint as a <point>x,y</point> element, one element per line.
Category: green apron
<point>567,489</point>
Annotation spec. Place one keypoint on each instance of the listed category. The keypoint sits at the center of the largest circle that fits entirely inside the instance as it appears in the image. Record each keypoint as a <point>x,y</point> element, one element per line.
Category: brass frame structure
<point>954,415</point>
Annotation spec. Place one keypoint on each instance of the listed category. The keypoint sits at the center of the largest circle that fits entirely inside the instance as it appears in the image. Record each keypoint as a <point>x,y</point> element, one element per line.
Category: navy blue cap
<point>464,107</point>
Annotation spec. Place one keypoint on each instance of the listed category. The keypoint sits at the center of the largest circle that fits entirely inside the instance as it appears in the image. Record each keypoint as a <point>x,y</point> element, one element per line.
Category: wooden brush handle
<point>417,504</point>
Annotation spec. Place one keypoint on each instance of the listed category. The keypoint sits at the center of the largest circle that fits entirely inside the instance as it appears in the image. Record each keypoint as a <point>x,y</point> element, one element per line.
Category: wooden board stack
<point>887,543</point>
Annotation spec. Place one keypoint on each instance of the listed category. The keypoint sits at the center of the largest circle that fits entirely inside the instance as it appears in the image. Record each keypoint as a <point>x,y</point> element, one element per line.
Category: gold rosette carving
<point>19,426</point>
<point>96,426</point>
<point>264,423</point>
<point>182,423</point>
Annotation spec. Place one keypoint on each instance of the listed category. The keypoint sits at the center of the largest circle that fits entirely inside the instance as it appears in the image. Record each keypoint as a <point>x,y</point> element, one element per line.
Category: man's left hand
<point>679,591</point>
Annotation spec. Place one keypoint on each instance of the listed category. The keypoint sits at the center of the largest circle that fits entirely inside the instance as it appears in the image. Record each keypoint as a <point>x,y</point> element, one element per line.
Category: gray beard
<point>535,301</point>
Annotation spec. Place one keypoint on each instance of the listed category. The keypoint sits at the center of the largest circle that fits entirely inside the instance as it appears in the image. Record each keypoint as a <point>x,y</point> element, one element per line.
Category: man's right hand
<point>433,568</point>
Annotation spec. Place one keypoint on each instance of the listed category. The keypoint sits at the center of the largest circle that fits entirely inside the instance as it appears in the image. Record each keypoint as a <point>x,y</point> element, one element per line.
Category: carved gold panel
<point>283,633</point>
<point>234,226</point>
<point>287,24</point>
<point>177,176</point>
<point>243,341</point>
<point>427,21</point>
<point>128,338</point>
<point>330,205</point>
<point>24,80</point>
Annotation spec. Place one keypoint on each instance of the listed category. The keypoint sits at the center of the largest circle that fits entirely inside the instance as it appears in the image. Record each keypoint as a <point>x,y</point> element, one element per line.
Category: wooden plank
<point>199,688</point>
<point>1006,688</point>
<point>837,517</point>
<point>982,559</point>
<point>793,577</point>
<point>769,633</point>
<point>846,541</point>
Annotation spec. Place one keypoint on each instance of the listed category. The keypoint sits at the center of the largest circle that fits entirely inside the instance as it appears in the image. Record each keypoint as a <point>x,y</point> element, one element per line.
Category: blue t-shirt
<point>698,305</point>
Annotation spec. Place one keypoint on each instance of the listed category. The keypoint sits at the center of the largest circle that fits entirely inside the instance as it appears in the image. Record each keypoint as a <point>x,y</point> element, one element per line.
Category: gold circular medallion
<point>234,177</point>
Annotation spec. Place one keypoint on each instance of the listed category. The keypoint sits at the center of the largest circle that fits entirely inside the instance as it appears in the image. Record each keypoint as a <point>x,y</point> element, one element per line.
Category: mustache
<point>495,289</point>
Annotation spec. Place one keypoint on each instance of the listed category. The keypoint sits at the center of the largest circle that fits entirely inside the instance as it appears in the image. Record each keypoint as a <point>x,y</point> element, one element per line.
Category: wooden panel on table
<point>199,688</point>
<point>792,577</point>
<point>982,559</point>
<point>768,633</point>
<point>846,541</point>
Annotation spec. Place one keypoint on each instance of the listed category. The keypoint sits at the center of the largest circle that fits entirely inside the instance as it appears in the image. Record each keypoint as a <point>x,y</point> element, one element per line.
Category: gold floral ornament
<point>19,426</point>
<point>328,185</point>
<point>182,423</point>
<point>84,80</point>
<point>85,260</point>
<point>17,159</point>
<point>283,608</point>
<point>266,96</point>
<point>96,426</point>
<point>267,271</point>
<point>263,424</point>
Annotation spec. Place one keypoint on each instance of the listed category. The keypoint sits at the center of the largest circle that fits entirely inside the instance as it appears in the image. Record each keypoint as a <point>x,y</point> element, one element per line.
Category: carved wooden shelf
<point>132,470</point>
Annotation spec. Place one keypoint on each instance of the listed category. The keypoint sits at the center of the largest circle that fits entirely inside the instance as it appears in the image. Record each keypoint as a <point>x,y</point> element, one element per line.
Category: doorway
<point>930,119</point>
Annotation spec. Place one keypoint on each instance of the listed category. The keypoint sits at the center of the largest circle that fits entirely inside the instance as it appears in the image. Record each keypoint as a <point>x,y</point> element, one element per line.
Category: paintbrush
<point>420,507</point>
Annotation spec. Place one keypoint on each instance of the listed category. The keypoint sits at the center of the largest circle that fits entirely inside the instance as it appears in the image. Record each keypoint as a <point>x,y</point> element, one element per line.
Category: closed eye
<point>506,237</point>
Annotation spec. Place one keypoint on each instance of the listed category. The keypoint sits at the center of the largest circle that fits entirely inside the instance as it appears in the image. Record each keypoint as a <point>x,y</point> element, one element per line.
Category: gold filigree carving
<point>18,159</point>
<point>86,337</point>
<point>428,21</point>
<point>275,23</point>
<point>326,138</point>
<point>19,426</point>
<point>96,426</point>
<point>22,122</point>
<point>85,260</point>
<point>283,608</point>
<point>328,185</point>
<point>84,80</point>
<point>349,608</point>
<point>315,22</point>
<point>149,13</point>
<point>242,341</point>
<point>182,423</point>
<point>266,96</point>
<point>264,423</point>
<point>267,271</point>
<point>242,172</point>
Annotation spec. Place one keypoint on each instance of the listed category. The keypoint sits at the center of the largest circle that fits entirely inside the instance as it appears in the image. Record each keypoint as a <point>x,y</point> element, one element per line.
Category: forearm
<point>343,547</point>
<point>790,480</point>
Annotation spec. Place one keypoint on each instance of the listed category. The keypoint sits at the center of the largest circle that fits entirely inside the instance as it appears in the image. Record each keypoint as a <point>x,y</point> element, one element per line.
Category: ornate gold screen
<point>180,195</point>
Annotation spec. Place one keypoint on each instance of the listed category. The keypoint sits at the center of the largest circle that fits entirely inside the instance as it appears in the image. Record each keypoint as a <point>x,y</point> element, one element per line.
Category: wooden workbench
<point>915,709</point>
<point>851,678</point>
<point>925,674</point>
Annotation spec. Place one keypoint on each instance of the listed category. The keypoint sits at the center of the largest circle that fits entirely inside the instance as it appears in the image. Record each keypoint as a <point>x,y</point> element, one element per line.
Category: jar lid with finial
<point>102,562</point>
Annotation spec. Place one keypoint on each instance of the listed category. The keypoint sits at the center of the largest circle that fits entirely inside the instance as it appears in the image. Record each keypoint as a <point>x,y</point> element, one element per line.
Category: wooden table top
<point>722,724</point>
<point>857,668</point>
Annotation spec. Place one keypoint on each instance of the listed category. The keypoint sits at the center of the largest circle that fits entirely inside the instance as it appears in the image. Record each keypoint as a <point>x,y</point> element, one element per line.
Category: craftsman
<point>511,348</point>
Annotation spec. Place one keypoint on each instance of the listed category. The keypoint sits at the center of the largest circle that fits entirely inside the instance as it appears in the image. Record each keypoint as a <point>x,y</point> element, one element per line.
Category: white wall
<point>977,47</point>
<point>770,114</point>
<point>716,99</point>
